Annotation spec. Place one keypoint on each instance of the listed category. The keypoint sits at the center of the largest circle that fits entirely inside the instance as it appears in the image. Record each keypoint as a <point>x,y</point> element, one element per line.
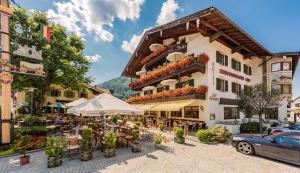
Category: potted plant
<point>144,121</point>
<point>135,146</point>
<point>161,127</point>
<point>157,141</point>
<point>110,141</point>
<point>179,136</point>
<point>86,151</point>
<point>55,149</point>
<point>23,144</point>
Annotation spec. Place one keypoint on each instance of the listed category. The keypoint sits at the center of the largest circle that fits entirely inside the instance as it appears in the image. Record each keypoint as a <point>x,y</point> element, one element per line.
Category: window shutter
<point>218,84</point>
<point>191,82</point>
<point>232,87</point>
<point>240,88</point>
<point>245,70</point>
<point>218,56</point>
<point>58,93</point>
<point>250,71</point>
<point>226,85</point>
<point>226,60</point>
<point>240,66</point>
<point>178,85</point>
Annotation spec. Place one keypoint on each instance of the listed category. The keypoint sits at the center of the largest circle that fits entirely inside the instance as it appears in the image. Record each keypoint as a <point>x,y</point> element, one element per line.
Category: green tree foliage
<point>119,87</point>
<point>256,99</point>
<point>63,58</point>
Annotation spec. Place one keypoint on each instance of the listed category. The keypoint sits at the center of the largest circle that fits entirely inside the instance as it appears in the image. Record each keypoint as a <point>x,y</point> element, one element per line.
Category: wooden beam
<point>236,49</point>
<point>215,36</point>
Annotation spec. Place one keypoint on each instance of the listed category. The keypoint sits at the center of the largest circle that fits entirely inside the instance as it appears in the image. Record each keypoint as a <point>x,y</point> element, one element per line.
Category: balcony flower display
<point>203,58</point>
<point>185,91</point>
<point>154,54</point>
<point>181,64</point>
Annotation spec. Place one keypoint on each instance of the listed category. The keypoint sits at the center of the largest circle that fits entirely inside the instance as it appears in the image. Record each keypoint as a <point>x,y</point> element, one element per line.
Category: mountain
<point>118,87</point>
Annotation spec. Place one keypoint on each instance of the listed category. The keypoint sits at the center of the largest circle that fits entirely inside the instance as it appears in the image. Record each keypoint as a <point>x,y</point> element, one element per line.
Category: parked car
<point>283,146</point>
<point>291,128</point>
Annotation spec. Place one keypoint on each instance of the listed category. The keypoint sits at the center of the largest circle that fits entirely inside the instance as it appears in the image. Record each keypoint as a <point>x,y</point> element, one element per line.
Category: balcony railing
<point>185,97</point>
<point>172,71</point>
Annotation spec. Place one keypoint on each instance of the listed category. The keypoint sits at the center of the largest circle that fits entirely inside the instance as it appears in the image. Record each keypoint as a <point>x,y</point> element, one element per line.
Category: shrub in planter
<point>144,121</point>
<point>249,127</point>
<point>135,146</point>
<point>114,119</point>
<point>31,120</point>
<point>161,127</point>
<point>110,141</point>
<point>179,135</point>
<point>211,135</point>
<point>32,131</point>
<point>222,134</point>
<point>23,144</point>
<point>55,149</point>
<point>157,140</point>
<point>86,151</point>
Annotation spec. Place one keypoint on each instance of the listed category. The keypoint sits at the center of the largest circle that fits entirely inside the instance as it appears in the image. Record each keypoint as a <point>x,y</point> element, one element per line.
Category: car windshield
<point>288,139</point>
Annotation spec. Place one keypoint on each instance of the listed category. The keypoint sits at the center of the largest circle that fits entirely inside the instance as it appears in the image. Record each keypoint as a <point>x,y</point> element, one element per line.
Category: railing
<point>174,98</point>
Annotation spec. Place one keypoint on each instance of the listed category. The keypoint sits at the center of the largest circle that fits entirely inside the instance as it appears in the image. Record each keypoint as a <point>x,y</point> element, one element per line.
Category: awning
<point>296,111</point>
<point>172,106</point>
<point>147,107</point>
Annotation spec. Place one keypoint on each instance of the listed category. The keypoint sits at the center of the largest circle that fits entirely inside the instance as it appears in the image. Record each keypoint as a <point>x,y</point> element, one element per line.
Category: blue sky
<point>112,28</point>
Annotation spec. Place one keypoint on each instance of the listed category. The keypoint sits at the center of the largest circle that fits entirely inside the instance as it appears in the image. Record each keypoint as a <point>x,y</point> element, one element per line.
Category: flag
<point>45,32</point>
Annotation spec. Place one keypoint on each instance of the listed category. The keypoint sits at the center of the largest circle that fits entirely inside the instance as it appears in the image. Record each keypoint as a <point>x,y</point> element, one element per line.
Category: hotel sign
<point>6,77</point>
<point>234,75</point>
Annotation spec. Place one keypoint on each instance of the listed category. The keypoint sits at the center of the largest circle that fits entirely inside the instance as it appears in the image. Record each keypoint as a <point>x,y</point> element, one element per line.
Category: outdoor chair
<point>73,146</point>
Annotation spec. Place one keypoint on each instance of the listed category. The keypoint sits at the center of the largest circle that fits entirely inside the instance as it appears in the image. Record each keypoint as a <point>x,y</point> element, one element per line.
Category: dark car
<point>291,128</point>
<point>284,146</point>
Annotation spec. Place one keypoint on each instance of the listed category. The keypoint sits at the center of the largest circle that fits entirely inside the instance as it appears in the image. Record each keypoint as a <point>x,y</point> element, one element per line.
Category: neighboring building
<point>235,61</point>
<point>295,110</point>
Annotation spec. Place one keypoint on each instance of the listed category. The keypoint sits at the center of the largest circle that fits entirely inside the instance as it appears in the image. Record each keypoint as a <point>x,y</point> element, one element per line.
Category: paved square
<point>193,157</point>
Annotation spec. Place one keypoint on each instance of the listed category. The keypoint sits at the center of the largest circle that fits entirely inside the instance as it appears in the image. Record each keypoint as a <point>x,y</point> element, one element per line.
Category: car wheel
<point>245,148</point>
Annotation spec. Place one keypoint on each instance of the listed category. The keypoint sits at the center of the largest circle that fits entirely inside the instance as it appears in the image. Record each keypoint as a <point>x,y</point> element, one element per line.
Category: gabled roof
<point>97,89</point>
<point>210,22</point>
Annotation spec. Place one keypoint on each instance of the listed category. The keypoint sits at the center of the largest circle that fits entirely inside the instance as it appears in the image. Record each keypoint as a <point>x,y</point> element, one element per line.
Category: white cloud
<point>129,46</point>
<point>95,16</point>
<point>167,12</point>
<point>93,58</point>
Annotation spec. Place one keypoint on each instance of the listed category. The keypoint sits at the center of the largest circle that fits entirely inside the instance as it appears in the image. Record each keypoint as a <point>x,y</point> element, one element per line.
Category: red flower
<point>203,58</point>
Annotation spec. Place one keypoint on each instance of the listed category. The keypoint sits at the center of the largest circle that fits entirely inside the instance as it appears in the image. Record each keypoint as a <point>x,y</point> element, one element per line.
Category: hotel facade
<point>191,69</point>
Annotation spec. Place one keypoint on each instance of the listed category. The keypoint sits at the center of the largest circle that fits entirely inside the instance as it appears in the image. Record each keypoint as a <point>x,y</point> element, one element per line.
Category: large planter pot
<point>157,145</point>
<point>86,155</point>
<point>54,161</point>
<point>24,160</point>
<point>136,147</point>
<point>179,140</point>
<point>109,152</point>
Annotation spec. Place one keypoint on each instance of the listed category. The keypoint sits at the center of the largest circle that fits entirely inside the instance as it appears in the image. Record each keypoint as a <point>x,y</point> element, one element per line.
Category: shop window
<point>164,88</point>
<point>222,85</point>
<point>231,113</point>
<point>221,58</point>
<point>176,114</point>
<point>236,88</point>
<point>55,93</point>
<point>152,113</point>
<point>83,95</point>
<point>69,94</point>
<point>272,113</point>
<point>236,65</point>
<point>163,114</point>
<point>247,70</point>
<point>191,112</point>
<point>148,92</point>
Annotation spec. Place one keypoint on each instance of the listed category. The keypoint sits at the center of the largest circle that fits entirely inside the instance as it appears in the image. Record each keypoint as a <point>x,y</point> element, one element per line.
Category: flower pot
<point>157,145</point>
<point>179,140</point>
<point>86,155</point>
<point>24,160</point>
<point>136,147</point>
<point>54,161</point>
<point>109,152</point>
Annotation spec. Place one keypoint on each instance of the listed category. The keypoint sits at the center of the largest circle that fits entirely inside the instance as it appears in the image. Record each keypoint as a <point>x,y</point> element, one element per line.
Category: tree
<point>255,100</point>
<point>63,58</point>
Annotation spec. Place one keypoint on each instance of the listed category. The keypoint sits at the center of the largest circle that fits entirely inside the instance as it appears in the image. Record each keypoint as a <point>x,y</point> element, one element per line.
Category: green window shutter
<point>191,82</point>
<point>250,71</point>
<point>218,84</point>
<point>232,64</point>
<point>226,60</point>
<point>218,56</point>
<point>240,88</point>
<point>226,85</point>
<point>240,66</point>
<point>245,69</point>
<point>178,85</point>
<point>233,87</point>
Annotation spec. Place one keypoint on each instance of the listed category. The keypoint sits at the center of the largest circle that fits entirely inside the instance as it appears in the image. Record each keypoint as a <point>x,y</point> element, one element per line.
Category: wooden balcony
<point>196,66</point>
<point>160,59</point>
<point>185,97</point>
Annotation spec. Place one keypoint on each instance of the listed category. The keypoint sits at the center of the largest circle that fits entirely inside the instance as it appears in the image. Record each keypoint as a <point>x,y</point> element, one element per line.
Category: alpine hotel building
<point>191,69</point>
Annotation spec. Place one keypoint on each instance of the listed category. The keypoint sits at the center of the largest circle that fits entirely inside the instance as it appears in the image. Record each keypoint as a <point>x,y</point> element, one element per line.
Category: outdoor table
<point>120,136</point>
<point>73,136</point>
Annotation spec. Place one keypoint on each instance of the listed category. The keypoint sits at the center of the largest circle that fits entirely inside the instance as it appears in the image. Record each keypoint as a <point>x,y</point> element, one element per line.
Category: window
<point>231,113</point>
<point>163,114</point>
<point>83,95</point>
<point>286,89</point>
<point>222,85</point>
<point>247,70</point>
<point>176,114</point>
<point>286,66</point>
<point>148,92</point>
<point>191,112</point>
<point>236,88</point>
<point>276,88</point>
<point>272,113</point>
<point>290,140</point>
<point>186,83</point>
<point>164,88</point>
<point>247,88</point>
<point>297,105</point>
<point>276,67</point>
<point>55,93</point>
<point>236,65</point>
<point>69,94</point>
<point>221,58</point>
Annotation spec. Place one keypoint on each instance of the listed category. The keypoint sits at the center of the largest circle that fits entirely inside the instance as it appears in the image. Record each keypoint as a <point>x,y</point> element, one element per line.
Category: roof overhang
<point>209,22</point>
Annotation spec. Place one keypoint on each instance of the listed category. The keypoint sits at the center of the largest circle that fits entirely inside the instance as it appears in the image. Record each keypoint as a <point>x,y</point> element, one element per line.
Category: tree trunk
<point>260,123</point>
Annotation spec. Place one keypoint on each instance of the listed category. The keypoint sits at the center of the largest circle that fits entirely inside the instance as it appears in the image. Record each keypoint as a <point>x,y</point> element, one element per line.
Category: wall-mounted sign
<point>6,77</point>
<point>212,116</point>
<point>30,67</point>
<point>29,52</point>
<point>234,75</point>
<point>213,97</point>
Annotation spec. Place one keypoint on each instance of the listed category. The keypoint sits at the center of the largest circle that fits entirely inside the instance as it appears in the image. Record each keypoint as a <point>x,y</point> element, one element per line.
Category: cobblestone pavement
<point>192,157</point>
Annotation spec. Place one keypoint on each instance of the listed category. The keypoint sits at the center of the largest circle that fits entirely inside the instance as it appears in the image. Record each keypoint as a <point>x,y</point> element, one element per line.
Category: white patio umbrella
<point>75,102</point>
<point>148,88</point>
<point>155,46</point>
<point>168,82</point>
<point>105,104</point>
<point>175,56</point>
